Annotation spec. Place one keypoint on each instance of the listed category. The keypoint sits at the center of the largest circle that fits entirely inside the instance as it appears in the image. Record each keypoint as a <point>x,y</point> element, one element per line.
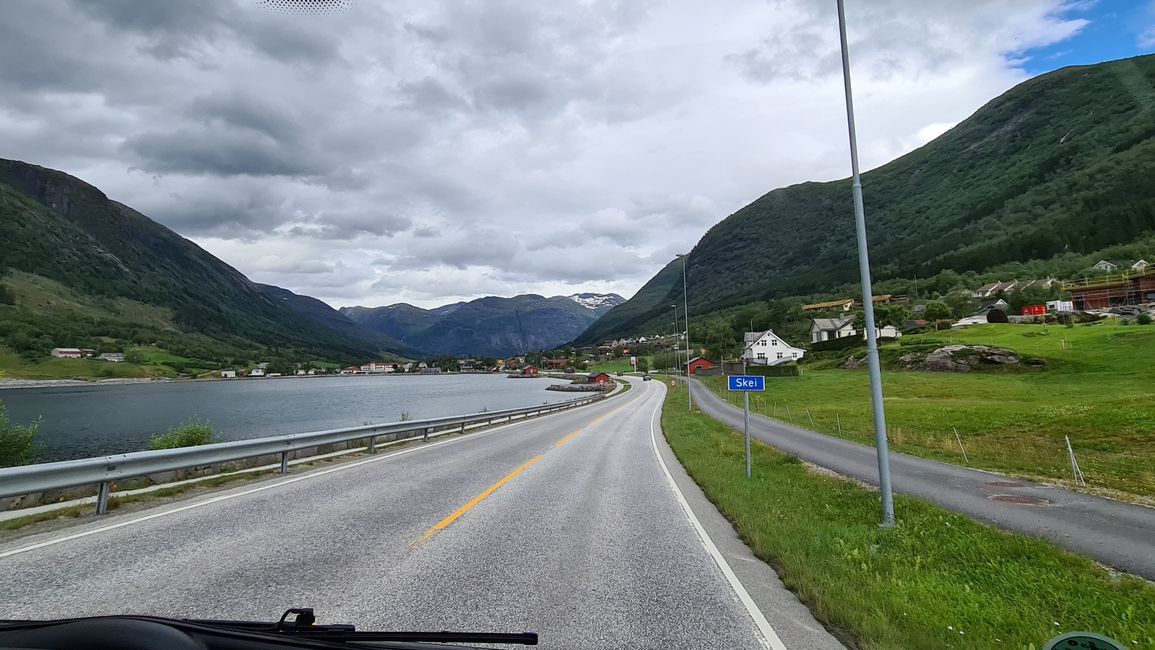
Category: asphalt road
<point>580,526</point>
<point>1118,534</point>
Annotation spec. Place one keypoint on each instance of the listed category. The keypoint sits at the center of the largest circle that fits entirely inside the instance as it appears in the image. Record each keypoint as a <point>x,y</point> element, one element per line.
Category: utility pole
<point>881,446</point>
<point>677,373</point>
<point>686,318</point>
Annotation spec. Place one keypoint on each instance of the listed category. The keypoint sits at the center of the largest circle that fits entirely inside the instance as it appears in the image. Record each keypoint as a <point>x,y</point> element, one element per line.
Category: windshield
<point>793,324</point>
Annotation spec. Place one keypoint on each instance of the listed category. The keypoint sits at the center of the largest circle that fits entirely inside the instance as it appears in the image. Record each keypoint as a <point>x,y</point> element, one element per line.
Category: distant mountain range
<point>489,326</point>
<point>78,269</point>
<point>1052,172</point>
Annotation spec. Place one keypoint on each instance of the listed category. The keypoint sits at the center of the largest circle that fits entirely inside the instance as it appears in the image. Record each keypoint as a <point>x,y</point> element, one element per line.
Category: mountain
<point>490,326</point>
<point>1058,166</point>
<point>321,313</point>
<point>58,227</point>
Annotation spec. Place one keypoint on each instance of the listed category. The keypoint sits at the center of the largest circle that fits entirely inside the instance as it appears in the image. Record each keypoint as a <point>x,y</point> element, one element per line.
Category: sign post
<point>745,384</point>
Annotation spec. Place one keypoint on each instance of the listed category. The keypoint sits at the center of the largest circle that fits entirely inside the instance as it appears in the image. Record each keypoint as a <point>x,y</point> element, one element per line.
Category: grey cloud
<point>246,111</point>
<point>426,232</point>
<point>213,152</point>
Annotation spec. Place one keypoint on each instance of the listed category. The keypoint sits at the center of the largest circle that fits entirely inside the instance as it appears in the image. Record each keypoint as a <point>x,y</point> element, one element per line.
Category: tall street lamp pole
<point>880,443</point>
<point>686,318</point>
<point>676,372</point>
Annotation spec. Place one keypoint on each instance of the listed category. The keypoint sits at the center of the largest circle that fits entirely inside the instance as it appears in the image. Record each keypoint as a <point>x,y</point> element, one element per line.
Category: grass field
<point>937,580</point>
<point>1097,388</point>
<point>617,365</point>
<point>14,366</point>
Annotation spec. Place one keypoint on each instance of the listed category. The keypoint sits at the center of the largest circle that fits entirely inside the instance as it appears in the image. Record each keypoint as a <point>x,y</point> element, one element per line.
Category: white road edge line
<point>769,636</point>
<point>234,495</point>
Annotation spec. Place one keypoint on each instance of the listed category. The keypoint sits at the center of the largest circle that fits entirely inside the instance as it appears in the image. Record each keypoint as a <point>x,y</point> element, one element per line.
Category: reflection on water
<point>81,421</point>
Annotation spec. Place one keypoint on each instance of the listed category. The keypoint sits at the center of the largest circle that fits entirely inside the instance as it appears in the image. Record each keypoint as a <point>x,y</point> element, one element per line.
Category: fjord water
<point>81,421</point>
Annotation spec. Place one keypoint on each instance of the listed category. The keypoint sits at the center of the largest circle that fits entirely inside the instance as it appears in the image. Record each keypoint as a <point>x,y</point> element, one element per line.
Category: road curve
<point>1118,534</point>
<point>570,525</point>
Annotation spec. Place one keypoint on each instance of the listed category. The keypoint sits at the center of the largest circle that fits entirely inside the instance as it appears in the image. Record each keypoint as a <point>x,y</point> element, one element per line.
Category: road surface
<point>1115,533</point>
<point>572,526</point>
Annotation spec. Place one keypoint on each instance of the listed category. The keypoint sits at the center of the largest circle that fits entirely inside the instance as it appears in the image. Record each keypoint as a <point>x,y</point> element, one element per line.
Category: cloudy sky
<point>428,151</point>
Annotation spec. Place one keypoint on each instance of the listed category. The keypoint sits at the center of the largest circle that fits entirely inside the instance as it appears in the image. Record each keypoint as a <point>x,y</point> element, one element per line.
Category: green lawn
<point>614,366</point>
<point>14,366</point>
<point>1097,388</point>
<point>937,580</point>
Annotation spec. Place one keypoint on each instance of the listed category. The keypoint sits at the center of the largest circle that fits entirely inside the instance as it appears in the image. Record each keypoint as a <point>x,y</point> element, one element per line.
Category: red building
<point>529,371</point>
<point>598,378</point>
<point>700,363</point>
<point>1035,310</point>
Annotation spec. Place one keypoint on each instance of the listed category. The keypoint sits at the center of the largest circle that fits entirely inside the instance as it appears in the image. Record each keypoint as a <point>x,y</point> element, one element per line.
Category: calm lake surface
<point>80,421</point>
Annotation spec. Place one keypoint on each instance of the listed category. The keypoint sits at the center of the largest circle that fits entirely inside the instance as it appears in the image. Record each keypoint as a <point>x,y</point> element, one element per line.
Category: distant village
<point>1125,287</point>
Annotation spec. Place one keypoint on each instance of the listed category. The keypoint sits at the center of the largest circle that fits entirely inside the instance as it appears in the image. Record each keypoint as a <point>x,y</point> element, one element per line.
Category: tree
<point>937,310</point>
<point>643,364</point>
<point>962,303</point>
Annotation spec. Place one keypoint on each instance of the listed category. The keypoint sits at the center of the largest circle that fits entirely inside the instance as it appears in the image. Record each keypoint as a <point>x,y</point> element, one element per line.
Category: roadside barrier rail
<point>104,470</point>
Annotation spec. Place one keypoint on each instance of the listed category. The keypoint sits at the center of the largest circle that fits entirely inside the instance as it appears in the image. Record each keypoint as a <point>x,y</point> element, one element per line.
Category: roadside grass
<point>616,365</point>
<point>937,580</point>
<point>1096,388</point>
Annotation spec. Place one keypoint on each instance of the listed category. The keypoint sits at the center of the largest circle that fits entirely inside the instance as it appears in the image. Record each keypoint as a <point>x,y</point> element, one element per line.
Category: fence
<point>103,471</point>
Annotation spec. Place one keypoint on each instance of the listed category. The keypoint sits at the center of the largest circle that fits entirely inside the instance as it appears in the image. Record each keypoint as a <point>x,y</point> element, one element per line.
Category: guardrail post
<point>425,435</point>
<point>284,462</point>
<point>372,444</point>
<point>102,493</point>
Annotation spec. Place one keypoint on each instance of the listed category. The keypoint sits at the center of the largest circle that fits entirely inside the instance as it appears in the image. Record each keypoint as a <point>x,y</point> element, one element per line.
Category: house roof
<point>988,287</point>
<point>831,324</point>
<point>700,359</point>
<point>824,305</point>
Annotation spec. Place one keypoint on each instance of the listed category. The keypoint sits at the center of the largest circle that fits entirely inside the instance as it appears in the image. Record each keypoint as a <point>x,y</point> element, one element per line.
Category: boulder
<point>960,358</point>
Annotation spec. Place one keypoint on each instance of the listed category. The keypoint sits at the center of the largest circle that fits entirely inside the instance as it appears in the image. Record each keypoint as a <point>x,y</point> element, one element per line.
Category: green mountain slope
<point>58,227</point>
<point>321,313</point>
<point>1061,164</point>
<point>490,326</point>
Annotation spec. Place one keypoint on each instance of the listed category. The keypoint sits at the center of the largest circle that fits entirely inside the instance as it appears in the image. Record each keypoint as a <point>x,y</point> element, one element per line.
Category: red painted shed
<point>598,378</point>
<point>700,363</point>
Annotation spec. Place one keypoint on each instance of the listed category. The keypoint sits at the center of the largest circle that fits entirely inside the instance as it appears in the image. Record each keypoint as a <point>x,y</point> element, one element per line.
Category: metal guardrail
<point>104,470</point>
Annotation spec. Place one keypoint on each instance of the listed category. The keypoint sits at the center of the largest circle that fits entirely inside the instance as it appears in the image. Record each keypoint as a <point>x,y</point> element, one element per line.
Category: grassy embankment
<point>1096,387</point>
<point>937,580</point>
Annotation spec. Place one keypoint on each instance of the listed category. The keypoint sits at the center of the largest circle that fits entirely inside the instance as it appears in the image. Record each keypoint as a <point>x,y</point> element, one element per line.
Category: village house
<point>769,349</point>
<point>845,304</point>
<point>351,370</point>
<point>228,374</point>
<point>699,363</point>
<point>376,368</point>
<point>828,329</point>
<point>114,357</point>
<point>1120,266</point>
<point>257,372</point>
<point>598,378</point>
<point>71,353</point>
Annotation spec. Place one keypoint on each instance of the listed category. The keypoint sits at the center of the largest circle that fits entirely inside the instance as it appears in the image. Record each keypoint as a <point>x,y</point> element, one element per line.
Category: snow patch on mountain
<point>596,301</point>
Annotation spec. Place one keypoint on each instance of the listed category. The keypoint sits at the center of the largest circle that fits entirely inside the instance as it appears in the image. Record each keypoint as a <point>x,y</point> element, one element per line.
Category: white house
<point>769,349</point>
<point>68,353</point>
<point>828,329</point>
<point>228,374</point>
<point>257,372</point>
<point>376,368</point>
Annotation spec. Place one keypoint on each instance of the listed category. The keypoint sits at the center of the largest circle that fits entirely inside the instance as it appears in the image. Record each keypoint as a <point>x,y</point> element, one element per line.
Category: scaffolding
<point>1100,292</point>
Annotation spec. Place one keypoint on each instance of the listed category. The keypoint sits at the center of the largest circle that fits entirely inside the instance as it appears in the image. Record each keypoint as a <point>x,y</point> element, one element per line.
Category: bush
<point>186,434</point>
<point>1143,319</point>
<point>17,443</point>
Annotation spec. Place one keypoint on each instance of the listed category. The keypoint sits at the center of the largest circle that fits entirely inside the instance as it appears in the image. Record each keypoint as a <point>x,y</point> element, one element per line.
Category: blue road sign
<point>747,382</point>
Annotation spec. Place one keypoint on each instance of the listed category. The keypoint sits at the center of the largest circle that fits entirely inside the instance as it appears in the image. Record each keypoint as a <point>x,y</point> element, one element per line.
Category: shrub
<point>1143,319</point>
<point>17,443</point>
<point>189,433</point>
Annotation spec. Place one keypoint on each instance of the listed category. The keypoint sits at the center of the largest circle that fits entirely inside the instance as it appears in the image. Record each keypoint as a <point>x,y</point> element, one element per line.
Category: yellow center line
<point>478,499</point>
<point>508,477</point>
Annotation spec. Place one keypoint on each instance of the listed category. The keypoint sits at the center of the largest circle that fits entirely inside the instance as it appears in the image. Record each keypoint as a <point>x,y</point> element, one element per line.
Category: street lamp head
<point>679,254</point>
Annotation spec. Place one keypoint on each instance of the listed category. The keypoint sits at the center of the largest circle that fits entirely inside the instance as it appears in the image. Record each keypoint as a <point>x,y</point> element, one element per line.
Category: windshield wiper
<point>304,625</point>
